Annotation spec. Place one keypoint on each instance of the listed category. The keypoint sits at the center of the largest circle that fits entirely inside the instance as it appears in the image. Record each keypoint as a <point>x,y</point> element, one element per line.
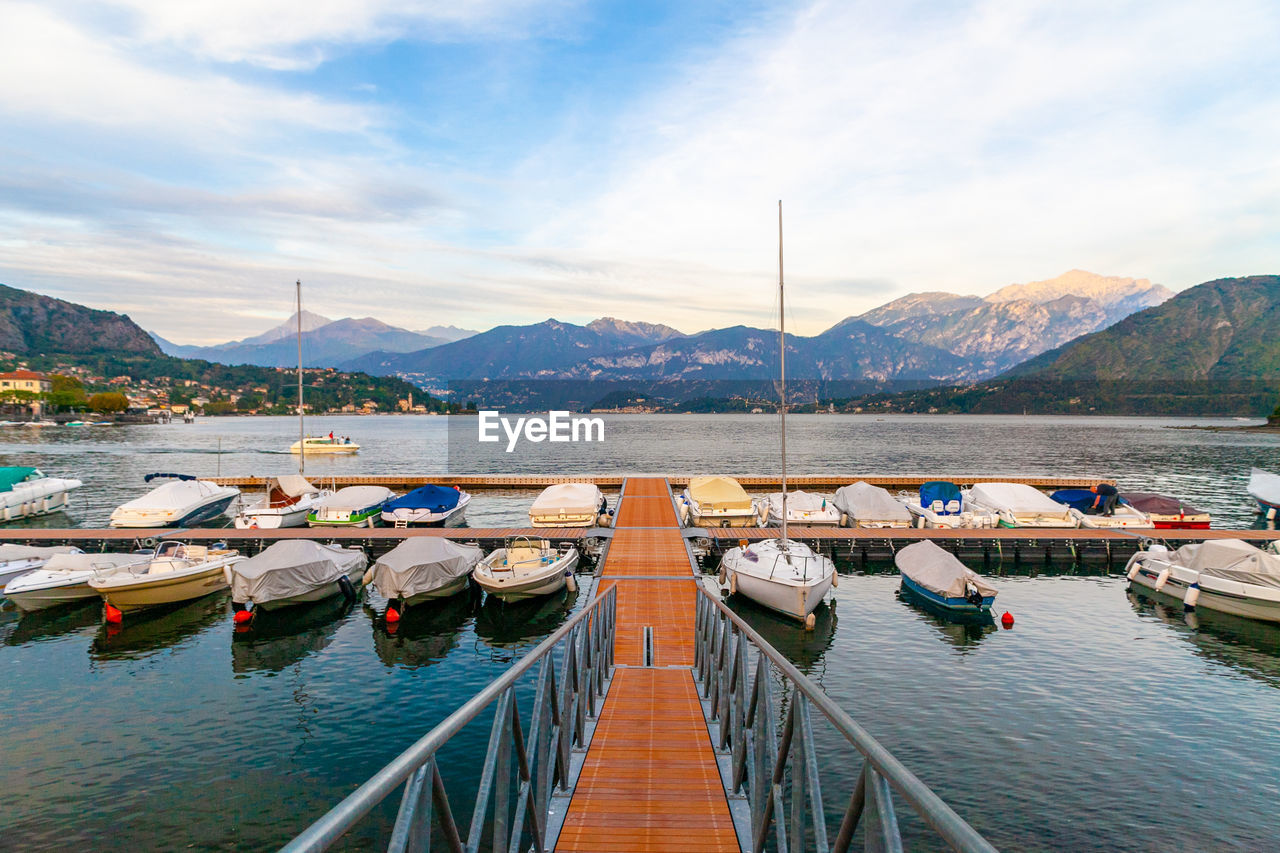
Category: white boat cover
<point>1232,559</point>
<point>174,495</point>
<point>865,502</point>
<point>11,553</point>
<point>357,497</point>
<point>292,485</point>
<point>1018,498</point>
<point>1264,486</point>
<point>569,499</point>
<point>292,567</point>
<point>719,493</point>
<point>798,501</point>
<point>423,564</point>
<point>937,570</point>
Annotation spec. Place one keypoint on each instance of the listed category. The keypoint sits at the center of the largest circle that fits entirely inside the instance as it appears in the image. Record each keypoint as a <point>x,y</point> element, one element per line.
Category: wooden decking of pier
<point>650,781</point>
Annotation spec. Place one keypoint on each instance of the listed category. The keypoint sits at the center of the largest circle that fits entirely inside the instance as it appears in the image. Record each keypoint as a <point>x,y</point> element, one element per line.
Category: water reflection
<point>158,628</point>
<point>1245,645</point>
<point>425,634</point>
<point>513,624</point>
<point>962,630</point>
<point>54,622</point>
<point>276,639</point>
<point>805,649</point>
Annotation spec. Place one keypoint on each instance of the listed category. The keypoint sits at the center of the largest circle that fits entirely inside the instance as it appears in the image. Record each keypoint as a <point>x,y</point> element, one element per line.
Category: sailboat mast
<point>302,435</point>
<point>782,342</point>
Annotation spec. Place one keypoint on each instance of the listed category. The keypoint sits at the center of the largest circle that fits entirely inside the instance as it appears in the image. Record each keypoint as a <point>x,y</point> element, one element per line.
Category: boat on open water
<point>941,581</point>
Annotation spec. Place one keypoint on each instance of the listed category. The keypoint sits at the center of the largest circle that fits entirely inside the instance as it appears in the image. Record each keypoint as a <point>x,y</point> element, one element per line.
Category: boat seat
<point>165,565</point>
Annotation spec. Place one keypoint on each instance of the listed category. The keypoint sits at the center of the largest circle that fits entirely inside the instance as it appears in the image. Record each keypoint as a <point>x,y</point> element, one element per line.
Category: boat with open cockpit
<point>174,572</point>
<point>526,567</point>
<point>286,503</point>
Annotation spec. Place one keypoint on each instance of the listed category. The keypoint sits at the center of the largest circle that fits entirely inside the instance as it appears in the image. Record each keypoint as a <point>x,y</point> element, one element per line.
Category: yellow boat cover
<point>719,493</point>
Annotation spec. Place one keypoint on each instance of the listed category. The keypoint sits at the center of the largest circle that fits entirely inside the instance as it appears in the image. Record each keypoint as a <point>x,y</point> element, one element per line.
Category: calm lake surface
<point>1102,721</point>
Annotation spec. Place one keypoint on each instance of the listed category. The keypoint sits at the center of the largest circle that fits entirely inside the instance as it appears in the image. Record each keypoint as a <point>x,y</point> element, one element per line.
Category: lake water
<point>1100,722</point>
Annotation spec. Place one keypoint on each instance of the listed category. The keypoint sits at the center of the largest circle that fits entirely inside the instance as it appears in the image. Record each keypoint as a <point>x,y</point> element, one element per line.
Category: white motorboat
<point>526,568</point>
<point>1084,511</point>
<point>1019,505</point>
<point>183,501</point>
<point>1228,575</point>
<point>934,575</point>
<point>1264,487</point>
<point>570,505</point>
<point>175,572</point>
<point>719,502</point>
<point>780,574</point>
<point>941,504</point>
<point>312,445</point>
<point>804,508</point>
<point>17,560</point>
<point>428,506</point>
<point>354,506</point>
<point>288,499</point>
<point>293,571</point>
<point>864,505</point>
<point>64,579</point>
<point>26,492</point>
<point>422,568</point>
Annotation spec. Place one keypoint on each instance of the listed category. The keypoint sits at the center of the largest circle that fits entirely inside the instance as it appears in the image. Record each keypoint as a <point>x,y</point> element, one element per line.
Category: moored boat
<point>934,575</point>
<point>864,505</point>
<point>804,508</point>
<point>1020,505</point>
<point>1082,503</point>
<point>181,502</point>
<point>293,571</point>
<point>428,506</point>
<point>422,568</point>
<point>1167,513</point>
<point>354,506</point>
<point>1264,487</point>
<point>941,504</point>
<point>719,502</point>
<point>286,503</point>
<point>64,579</point>
<point>570,505</point>
<point>317,444</point>
<point>17,560</point>
<point>1227,575</point>
<point>27,492</point>
<point>175,572</point>
<point>525,568</point>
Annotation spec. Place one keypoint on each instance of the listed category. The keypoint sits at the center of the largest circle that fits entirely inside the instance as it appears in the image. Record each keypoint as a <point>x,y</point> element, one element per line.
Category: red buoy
<point>393,615</point>
<point>113,614</point>
<point>242,617</point>
<point>1007,619</point>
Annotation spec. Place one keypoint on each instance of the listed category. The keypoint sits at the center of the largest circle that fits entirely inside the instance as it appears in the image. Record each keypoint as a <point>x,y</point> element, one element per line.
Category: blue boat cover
<point>941,490</point>
<point>1081,499</point>
<point>433,498</point>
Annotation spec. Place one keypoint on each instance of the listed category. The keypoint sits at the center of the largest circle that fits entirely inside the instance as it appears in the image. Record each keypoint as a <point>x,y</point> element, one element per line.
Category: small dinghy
<point>294,571</point>
<point>941,504</point>
<point>174,573</point>
<point>570,505</point>
<point>64,579</point>
<point>184,501</point>
<point>427,506</point>
<point>936,576</point>
<point>865,505</point>
<point>804,508</point>
<point>1087,515</point>
<point>288,499</point>
<point>1020,505</point>
<point>354,506</point>
<point>420,569</point>
<point>17,560</point>
<point>526,568</point>
<point>1167,513</point>
<point>1227,575</point>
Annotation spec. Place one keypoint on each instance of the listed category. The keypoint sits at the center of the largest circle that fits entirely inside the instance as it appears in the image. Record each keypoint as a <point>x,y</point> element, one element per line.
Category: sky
<point>504,161</point>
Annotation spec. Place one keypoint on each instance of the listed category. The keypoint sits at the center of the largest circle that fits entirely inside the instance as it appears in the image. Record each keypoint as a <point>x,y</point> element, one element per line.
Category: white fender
<point>1162,579</point>
<point>1192,596</point>
<point>571,583</point>
<point>1132,569</point>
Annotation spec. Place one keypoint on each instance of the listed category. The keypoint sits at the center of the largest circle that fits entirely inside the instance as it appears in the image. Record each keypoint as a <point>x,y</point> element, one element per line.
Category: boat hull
<point>449,590</point>
<point>958,606</point>
<point>425,517</point>
<point>699,519</point>
<point>42,599</point>
<point>363,518</point>
<point>796,601</point>
<point>165,589</point>
<point>512,587</point>
<point>1178,584</point>
<point>313,449</point>
<point>36,498</point>
<point>205,512</point>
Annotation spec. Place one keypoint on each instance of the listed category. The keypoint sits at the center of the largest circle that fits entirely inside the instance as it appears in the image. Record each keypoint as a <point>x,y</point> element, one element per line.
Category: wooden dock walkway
<point>650,781</point>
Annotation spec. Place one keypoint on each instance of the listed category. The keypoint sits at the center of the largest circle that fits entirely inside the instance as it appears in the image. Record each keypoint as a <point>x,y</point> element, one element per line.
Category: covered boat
<point>175,572</point>
<point>431,506</point>
<point>781,574</point>
<point>294,571</point>
<point>17,560</point>
<point>568,505</point>
<point>526,568</point>
<point>1227,575</point>
<point>941,504</point>
<point>354,506</point>
<point>1020,505</point>
<point>804,508</point>
<point>1167,513</point>
<point>865,505</point>
<point>64,579</point>
<point>1264,487</point>
<point>26,492</point>
<point>936,576</point>
<point>718,502</point>
<point>422,568</point>
<point>288,499</point>
<point>1081,502</point>
<point>183,501</point>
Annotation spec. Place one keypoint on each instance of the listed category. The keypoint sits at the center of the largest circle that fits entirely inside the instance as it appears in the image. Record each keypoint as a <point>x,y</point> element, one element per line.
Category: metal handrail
<point>741,709</point>
<point>563,704</point>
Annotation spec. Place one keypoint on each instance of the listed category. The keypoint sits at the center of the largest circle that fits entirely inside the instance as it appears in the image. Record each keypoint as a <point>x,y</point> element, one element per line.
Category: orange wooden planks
<point>650,781</point>
<point>665,605</point>
<point>646,512</point>
<point>647,552</point>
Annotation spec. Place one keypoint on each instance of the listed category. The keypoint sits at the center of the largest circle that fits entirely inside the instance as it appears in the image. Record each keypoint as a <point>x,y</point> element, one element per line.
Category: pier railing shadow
<point>768,755</point>
<point>532,761</point>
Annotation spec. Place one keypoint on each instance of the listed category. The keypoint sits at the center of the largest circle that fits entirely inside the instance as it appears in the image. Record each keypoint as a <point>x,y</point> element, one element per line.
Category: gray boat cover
<point>938,570</point>
<point>10,552</point>
<point>798,501</point>
<point>357,497</point>
<point>1232,559</point>
<point>865,502</point>
<point>293,567</point>
<point>1017,498</point>
<point>423,564</point>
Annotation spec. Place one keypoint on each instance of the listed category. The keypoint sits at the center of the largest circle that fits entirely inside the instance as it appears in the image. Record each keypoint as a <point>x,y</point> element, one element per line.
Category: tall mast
<point>302,435</point>
<point>782,341</point>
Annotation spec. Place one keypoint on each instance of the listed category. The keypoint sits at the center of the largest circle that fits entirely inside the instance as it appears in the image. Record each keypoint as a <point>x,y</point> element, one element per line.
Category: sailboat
<point>289,497</point>
<point>780,574</point>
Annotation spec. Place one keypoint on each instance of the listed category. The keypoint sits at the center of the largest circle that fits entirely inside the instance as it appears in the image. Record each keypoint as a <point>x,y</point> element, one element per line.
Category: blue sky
<point>509,160</point>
